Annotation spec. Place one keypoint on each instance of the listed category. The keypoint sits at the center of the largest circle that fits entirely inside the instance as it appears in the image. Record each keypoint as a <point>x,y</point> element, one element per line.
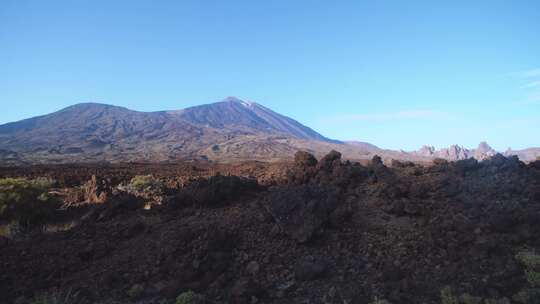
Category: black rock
<point>310,268</point>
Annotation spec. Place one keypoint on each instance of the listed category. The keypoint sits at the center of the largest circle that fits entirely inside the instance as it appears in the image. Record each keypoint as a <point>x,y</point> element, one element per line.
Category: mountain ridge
<point>229,130</point>
<point>96,132</point>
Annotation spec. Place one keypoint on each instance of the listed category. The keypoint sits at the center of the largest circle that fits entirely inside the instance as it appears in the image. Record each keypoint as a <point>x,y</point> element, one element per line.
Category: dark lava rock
<point>243,289</point>
<point>304,159</point>
<point>467,164</point>
<point>331,160</point>
<point>217,190</point>
<point>302,210</point>
<point>440,162</point>
<point>376,161</point>
<point>252,268</point>
<point>310,268</point>
<point>401,164</point>
<point>4,241</point>
<point>305,168</point>
<point>342,213</point>
<point>119,204</point>
<point>535,164</point>
<point>134,230</point>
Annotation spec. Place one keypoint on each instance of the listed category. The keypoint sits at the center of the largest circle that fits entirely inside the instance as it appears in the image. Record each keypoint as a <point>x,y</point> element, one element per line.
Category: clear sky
<point>397,74</point>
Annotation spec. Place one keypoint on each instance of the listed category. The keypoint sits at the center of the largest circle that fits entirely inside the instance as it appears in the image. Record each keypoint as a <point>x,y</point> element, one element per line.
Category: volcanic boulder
<point>216,190</point>
<point>301,211</point>
<point>304,159</point>
<point>330,161</point>
<point>305,168</point>
<point>310,268</point>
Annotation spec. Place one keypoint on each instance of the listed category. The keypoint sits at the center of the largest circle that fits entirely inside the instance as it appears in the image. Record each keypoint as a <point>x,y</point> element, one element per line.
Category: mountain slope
<point>234,114</point>
<point>96,132</point>
<point>90,126</point>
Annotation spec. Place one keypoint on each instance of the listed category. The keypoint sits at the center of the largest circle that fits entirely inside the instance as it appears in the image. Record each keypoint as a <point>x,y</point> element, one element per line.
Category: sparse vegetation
<point>531,261</point>
<point>188,297</point>
<point>145,182</point>
<point>58,297</point>
<point>26,202</point>
<point>135,291</point>
<point>447,297</point>
<point>469,299</point>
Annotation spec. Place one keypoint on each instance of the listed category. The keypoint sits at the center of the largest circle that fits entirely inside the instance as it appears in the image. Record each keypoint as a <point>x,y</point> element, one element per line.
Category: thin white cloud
<point>530,100</point>
<point>531,85</point>
<point>535,97</point>
<point>400,115</point>
<point>527,73</point>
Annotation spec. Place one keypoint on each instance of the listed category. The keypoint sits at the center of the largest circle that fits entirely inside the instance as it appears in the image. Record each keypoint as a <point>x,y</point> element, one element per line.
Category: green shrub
<point>447,297</point>
<point>531,261</point>
<point>527,296</point>
<point>25,201</point>
<point>58,297</point>
<point>188,297</point>
<point>469,299</point>
<point>145,182</point>
<point>136,291</point>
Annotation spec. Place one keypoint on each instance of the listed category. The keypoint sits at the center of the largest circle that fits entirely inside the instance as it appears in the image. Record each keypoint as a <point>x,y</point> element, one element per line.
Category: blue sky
<point>397,74</point>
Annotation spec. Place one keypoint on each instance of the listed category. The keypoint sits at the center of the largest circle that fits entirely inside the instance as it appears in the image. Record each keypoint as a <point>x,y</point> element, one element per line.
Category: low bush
<point>531,262</point>
<point>190,297</point>
<point>447,297</point>
<point>145,182</point>
<point>26,201</point>
<point>187,297</point>
<point>58,297</point>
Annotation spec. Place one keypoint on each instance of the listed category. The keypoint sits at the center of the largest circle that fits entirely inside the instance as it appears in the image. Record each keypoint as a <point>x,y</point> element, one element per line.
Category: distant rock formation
<point>528,155</point>
<point>456,152</point>
<point>484,151</point>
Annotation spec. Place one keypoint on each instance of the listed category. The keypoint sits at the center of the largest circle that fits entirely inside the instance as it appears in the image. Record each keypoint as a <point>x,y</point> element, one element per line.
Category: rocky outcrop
<point>484,151</point>
<point>456,152</point>
<point>301,211</point>
<point>215,191</point>
<point>304,159</point>
<point>527,155</point>
<point>310,268</point>
<point>96,190</point>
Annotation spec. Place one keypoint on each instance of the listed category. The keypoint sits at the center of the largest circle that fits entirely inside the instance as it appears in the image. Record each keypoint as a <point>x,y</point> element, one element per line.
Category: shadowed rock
<point>304,159</point>
<point>301,211</point>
